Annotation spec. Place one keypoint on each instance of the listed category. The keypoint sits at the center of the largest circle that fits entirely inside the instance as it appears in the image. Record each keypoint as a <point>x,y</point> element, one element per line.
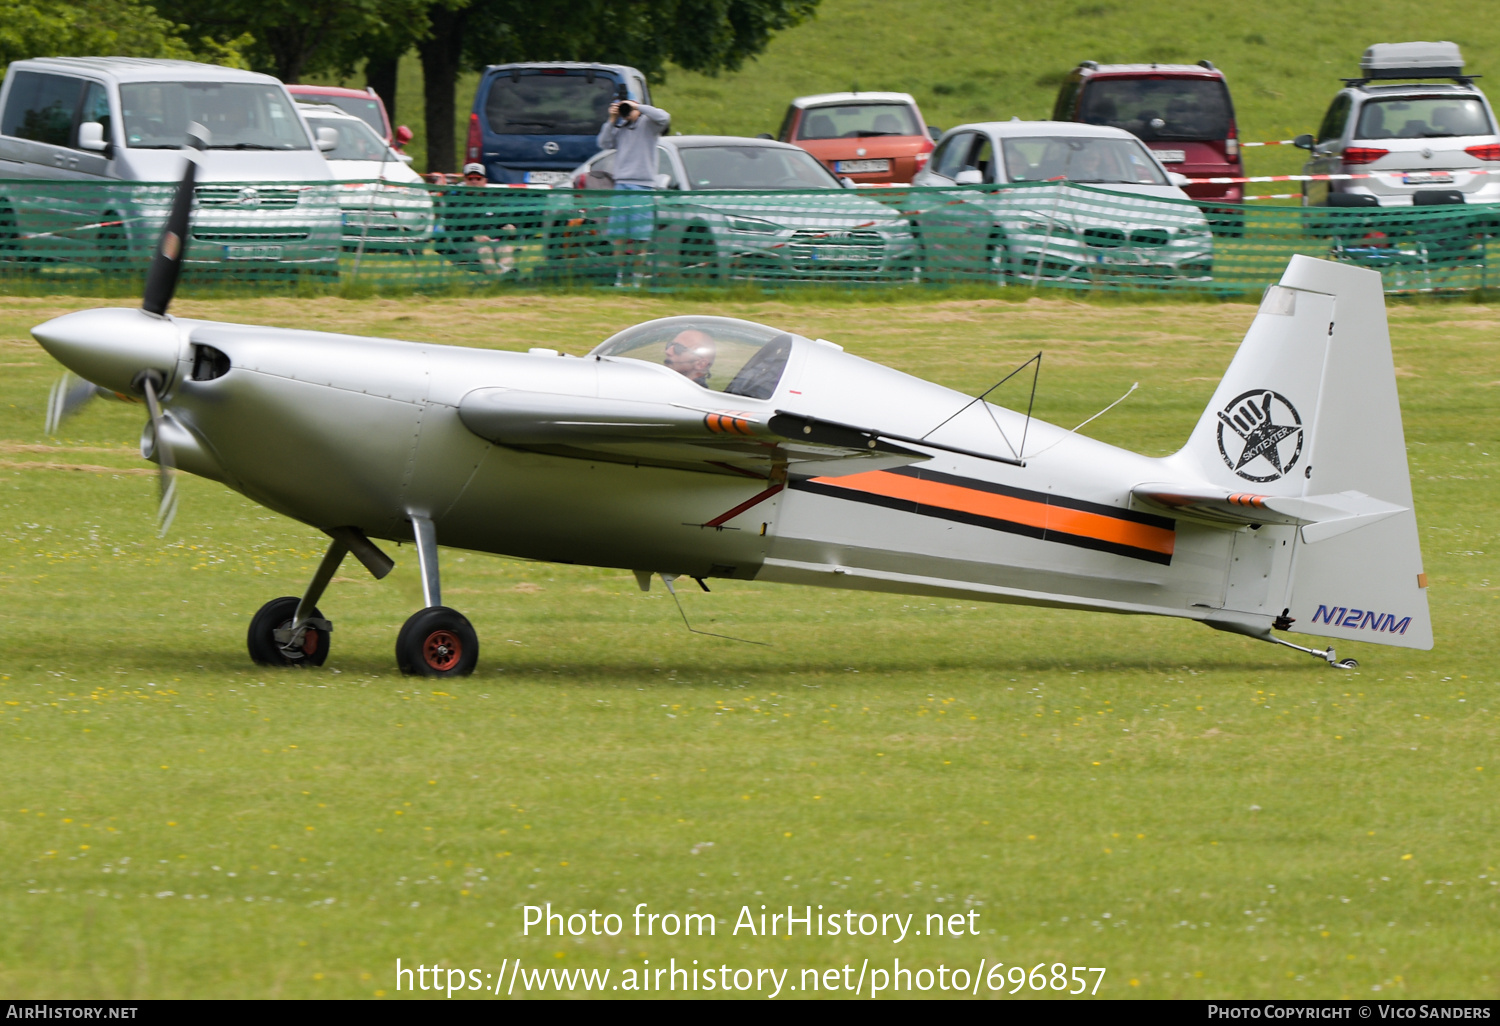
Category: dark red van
<point>1182,112</point>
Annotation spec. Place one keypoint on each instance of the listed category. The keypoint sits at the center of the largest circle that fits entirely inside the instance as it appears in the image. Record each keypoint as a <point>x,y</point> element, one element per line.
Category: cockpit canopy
<point>723,354</point>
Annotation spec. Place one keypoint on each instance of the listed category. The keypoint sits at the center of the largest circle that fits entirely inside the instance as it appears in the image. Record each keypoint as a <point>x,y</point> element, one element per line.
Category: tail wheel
<point>437,642</point>
<point>276,615</point>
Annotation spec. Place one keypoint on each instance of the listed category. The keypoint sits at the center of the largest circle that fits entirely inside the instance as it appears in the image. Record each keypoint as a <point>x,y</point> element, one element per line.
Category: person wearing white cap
<point>466,228</point>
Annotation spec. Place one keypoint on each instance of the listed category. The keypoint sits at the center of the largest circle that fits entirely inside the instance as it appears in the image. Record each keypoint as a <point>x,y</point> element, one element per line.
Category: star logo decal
<point>1260,435</point>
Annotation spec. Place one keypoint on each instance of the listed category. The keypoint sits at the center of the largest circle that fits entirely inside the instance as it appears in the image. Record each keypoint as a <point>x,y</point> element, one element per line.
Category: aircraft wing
<point>665,434</point>
<point>1319,516</point>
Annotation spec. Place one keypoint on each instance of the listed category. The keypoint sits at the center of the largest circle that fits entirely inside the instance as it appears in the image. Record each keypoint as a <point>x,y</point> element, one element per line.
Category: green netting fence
<point>89,236</point>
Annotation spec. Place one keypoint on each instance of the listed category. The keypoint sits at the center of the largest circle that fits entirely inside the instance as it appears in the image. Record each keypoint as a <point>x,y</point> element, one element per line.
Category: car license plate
<point>1428,178</point>
<point>855,167</point>
<point>546,178</point>
<point>252,252</point>
<point>1170,156</point>
<point>841,254</point>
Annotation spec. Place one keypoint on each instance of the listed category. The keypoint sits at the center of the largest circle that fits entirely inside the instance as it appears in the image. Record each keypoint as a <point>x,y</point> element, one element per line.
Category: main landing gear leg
<point>292,632</point>
<point>435,641</point>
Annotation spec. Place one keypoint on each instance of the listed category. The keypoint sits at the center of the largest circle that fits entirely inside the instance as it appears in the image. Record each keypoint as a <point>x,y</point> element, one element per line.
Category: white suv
<point>1420,142</point>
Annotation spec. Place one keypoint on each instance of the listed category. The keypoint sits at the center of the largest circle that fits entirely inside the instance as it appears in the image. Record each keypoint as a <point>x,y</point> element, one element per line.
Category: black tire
<point>437,642</point>
<point>112,241</point>
<point>998,260</point>
<point>10,237</point>
<point>696,256</point>
<point>273,616</point>
<point>1224,222</point>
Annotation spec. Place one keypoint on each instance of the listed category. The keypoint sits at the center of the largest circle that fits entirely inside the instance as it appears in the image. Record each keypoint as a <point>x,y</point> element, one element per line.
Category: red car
<point>362,103</point>
<point>1182,112</point>
<point>876,138</point>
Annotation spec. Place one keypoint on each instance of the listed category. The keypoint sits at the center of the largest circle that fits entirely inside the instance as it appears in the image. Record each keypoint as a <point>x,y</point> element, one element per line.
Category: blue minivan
<point>534,123</point>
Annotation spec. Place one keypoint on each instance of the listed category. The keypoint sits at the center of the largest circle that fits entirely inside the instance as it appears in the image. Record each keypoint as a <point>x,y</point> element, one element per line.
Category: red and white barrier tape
<point>1274,142</point>
<point>1274,195</point>
<point>1334,178</point>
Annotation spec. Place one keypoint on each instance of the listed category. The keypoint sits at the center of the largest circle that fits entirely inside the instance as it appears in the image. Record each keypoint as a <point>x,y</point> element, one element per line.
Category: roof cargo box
<point>1412,60</point>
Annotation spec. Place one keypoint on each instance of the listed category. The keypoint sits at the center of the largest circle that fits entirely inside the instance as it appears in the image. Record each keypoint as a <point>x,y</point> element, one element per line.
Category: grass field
<point>980,60</point>
<point>1198,814</point>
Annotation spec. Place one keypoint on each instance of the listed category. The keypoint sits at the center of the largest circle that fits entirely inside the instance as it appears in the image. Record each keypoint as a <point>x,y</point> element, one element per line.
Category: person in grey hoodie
<point>633,133</point>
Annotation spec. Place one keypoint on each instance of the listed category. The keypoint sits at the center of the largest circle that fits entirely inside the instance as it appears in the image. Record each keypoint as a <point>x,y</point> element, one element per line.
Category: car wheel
<point>926,268</point>
<point>1224,222</point>
<point>10,236</point>
<point>696,255</point>
<point>112,242</point>
<point>999,263</point>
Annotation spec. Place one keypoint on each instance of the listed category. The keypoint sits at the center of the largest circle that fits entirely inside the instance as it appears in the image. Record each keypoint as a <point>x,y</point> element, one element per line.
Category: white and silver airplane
<point>711,447</point>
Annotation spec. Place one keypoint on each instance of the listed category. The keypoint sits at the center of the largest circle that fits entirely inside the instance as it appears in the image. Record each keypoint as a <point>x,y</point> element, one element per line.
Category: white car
<point>746,209</point>
<point>1418,141</point>
<point>383,201</point>
<point>119,124</point>
<point>1130,221</point>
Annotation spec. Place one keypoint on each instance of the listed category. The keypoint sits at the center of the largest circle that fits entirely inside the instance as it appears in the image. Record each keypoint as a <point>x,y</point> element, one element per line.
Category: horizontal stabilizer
<point>1319,516</point>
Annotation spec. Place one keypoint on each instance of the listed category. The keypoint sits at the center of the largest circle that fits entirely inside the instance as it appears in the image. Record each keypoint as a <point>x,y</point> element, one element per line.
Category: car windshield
<point>238,115</point>
<point>1159,108</point>
<point>1423,117</point>
<point>1074,159</point>
<point>366,108</point>
<point>357,140</point>
<point>754,167</point>
<point>858,120</point>
<point>719,353</point>
<point>548,104</point>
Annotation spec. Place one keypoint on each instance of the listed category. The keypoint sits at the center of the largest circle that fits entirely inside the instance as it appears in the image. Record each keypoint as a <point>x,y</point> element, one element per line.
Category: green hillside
<point>970,60</point>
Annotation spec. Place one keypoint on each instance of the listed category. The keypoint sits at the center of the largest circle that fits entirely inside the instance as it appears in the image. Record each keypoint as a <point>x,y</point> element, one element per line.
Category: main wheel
<point>437,642</point>
<point>277,615</point>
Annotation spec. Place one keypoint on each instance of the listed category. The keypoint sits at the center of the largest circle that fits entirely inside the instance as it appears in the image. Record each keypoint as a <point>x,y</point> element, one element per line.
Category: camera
<point>622,113</point>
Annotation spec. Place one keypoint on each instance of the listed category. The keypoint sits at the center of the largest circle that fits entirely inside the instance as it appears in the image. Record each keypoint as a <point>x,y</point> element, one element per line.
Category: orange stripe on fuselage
<point>1003,507</point>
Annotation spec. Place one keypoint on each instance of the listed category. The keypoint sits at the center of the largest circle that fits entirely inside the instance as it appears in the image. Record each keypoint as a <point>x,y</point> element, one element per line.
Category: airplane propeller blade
<point>69,395</point>
<point>149,382</point>
<point>166,263</point>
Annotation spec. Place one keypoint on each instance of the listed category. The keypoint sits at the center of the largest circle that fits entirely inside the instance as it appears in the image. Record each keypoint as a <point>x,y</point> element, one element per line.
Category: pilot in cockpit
<point>691,353</point>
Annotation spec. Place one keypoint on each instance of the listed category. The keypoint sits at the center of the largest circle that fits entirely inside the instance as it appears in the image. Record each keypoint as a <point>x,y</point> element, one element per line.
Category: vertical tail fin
<point>1308,409</point>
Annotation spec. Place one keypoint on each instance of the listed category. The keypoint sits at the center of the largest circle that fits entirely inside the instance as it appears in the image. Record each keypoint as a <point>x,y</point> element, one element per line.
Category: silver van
<point>117,123</point>
<point>1411,139</point>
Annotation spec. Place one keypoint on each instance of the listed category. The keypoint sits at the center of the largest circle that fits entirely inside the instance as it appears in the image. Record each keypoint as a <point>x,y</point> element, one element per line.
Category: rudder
<point>1308,408</point>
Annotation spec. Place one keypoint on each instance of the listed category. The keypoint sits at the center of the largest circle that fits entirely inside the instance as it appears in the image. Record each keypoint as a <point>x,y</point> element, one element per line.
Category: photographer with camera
<point>632,129</point>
